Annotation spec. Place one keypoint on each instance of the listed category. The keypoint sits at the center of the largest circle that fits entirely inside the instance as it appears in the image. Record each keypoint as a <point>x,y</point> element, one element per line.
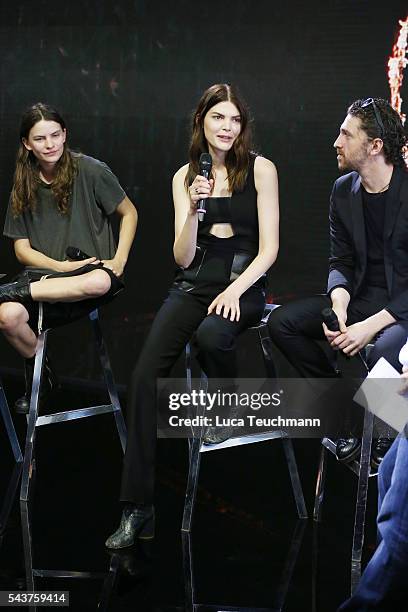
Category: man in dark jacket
<point>368,274</point>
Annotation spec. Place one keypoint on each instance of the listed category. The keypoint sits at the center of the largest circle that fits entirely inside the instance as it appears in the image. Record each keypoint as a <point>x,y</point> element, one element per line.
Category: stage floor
<point>248,550</point>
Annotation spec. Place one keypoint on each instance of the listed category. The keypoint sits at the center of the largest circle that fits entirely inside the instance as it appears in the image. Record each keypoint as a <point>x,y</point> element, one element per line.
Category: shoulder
<point>264,171</point>
<point>264,166</point>
<point>180,175</point>
<point>90,165</point>
<point>346,182</point>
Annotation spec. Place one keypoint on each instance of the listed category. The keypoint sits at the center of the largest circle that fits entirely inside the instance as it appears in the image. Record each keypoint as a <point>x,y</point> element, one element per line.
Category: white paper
<point>381,393</point>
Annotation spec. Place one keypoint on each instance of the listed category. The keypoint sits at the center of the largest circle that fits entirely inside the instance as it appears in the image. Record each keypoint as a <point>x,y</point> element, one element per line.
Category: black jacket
<point>348,251</point>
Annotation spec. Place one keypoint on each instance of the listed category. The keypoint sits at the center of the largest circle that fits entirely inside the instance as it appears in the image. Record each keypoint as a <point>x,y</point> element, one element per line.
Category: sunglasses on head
<point>370,102</point>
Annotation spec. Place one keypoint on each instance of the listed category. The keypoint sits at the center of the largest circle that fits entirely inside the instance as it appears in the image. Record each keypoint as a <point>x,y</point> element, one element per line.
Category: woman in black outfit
<point>218,291</point>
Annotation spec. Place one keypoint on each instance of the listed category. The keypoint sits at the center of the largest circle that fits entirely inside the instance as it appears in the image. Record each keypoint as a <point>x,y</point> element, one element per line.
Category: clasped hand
<point>226,304</point>
<point>350,339</point>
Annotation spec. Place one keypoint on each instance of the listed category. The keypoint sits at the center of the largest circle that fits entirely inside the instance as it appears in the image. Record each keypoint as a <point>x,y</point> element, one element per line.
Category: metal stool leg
<point>321,480</point>
<point>10,495</point>
<point>108,375</point>
<point>27,544</point>
<point>361,504</point>
<point>188,573</point>
<point>290,563</point>
<point>9,425</point>
<point>32,417</point>
<point>189,382</point>
<point>193,473</point>
<point>294,477</point>
<point>266,346</point>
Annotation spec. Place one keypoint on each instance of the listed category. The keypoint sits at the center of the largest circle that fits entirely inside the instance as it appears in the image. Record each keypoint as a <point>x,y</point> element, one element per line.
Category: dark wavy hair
<point>238,157</point>
<point>394,137</point>
<point>27,172</point>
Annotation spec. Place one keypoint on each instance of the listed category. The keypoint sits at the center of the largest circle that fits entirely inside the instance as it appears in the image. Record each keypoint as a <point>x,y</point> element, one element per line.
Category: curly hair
<point>238,158</point>
<point>27,172</point>
<point>393,136</point>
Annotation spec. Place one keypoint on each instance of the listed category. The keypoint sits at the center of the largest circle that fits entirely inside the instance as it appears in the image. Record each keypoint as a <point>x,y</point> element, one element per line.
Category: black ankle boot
<point>347,449</point>
<point>136,522</point>
<point>217,435</point>
<point>49,383</point>
<point>221,433</point>
<point>19,291</point>
<point>379,449</point>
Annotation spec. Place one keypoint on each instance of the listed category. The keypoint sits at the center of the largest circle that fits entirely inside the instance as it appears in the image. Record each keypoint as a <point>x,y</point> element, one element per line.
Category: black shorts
<point>60,313</point>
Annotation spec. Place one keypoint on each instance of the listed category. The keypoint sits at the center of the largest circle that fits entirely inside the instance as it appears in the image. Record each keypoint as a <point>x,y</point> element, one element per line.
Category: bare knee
<point>12,316</point>
<point>97,283</point>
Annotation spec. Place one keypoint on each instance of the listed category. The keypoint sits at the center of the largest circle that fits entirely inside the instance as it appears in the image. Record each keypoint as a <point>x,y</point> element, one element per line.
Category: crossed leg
<point>14,317</point>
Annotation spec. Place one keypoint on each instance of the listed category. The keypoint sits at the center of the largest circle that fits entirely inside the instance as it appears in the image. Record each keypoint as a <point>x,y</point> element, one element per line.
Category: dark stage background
<point>126,75</point>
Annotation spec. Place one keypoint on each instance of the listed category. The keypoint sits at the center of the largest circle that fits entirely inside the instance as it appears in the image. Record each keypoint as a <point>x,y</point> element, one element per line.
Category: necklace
<point>384,188</point>
<point>380,190</point>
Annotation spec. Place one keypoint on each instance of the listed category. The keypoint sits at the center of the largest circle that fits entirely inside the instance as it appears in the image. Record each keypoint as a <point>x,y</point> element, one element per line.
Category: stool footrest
<point>44,573</point>
<point>71,415</point>
<point>241,440</point>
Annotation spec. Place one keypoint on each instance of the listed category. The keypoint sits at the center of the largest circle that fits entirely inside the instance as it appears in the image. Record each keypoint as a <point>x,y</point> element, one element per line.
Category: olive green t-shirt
<point>95,195</point>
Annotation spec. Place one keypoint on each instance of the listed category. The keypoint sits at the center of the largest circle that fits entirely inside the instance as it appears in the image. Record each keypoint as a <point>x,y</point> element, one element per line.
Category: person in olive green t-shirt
<point>60,199</point>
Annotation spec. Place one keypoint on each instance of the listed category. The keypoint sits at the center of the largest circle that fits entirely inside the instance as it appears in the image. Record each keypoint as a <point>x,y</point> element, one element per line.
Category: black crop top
<point>240,210</point>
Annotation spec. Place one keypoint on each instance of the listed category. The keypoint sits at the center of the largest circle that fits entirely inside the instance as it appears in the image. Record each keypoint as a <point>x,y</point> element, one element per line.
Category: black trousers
<point>180,316</point>
<point>295,327</point>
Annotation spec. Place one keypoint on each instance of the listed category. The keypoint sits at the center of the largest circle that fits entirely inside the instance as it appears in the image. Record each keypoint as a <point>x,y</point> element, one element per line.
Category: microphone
<point>330,318</point>
<point>205,165</point>
<point>75,254</point>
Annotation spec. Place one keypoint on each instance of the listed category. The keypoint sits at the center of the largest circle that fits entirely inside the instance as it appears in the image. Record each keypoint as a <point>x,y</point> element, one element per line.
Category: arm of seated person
<point>28,256</point>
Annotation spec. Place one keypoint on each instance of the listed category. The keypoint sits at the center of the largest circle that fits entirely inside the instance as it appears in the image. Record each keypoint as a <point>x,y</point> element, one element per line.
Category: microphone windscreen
<point>330,318</point>
<point>75,254</point>
<point>205,163</point>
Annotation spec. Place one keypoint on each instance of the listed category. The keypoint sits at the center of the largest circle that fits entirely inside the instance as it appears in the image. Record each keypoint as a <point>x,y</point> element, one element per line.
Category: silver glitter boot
<point>136,523</point>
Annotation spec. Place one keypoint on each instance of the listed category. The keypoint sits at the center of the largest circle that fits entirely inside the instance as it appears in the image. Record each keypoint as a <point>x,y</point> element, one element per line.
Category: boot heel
<point>147,531</point>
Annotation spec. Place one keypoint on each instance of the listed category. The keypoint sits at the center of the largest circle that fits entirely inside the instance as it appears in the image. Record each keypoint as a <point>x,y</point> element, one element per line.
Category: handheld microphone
<point>330,319</point>
<point>205,165</point>
<point>75,254</point>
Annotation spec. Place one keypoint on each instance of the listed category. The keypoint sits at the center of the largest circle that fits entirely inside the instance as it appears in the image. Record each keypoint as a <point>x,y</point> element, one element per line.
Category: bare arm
<point>266,183</point>
<point>185,215</point>
<point>28,256</point>
<point>128,223</point>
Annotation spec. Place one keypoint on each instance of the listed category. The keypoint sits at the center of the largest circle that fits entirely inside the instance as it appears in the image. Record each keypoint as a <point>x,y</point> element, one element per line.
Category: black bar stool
<point>196,447</point>
<point>362,469</point>
<point>35,421</point>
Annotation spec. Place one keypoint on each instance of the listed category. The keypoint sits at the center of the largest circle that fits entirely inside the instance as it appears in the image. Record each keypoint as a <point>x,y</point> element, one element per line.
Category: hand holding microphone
<point>201,187</point>
<point>332,323</point>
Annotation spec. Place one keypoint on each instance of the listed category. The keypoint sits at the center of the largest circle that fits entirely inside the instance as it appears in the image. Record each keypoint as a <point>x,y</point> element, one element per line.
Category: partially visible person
<point>384,586</point>
<point>368,276</point>
<point>59,199</point>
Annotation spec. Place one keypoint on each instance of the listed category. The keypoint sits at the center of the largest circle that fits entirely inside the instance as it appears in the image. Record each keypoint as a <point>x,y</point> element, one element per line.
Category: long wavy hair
<point>394,137</point>
<point>237,159</point>
<point>27,172</point>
